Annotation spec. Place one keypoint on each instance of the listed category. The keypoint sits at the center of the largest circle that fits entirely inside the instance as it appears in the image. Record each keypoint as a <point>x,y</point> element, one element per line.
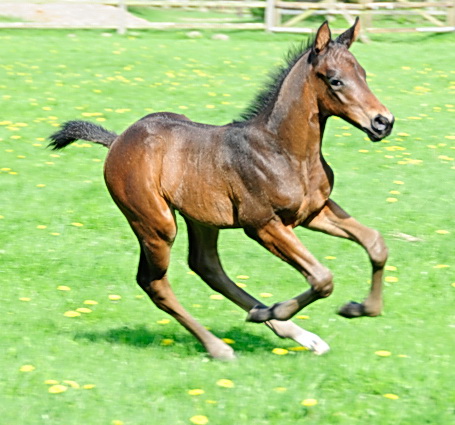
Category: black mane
<point>268,94</point>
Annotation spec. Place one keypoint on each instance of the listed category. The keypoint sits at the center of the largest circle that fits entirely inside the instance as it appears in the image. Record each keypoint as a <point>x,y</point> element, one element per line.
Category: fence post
<point>365,17</point>
<point>122,20</point>
<point>451,14</point>
<point>270,15</point>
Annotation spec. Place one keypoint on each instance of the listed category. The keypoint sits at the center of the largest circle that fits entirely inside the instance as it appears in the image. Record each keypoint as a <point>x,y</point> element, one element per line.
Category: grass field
<point>64,245</point>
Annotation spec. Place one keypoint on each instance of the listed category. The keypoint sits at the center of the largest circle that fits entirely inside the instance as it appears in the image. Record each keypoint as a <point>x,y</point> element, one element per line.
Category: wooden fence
<point>430,11</point>
<point>280,16</point>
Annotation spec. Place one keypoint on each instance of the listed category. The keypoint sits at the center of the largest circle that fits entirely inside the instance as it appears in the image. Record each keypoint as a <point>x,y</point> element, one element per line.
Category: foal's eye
<point>336,83</point>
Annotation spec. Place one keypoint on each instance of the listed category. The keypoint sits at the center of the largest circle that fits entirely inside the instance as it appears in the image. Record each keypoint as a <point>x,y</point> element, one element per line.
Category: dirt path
<point>69,14</point>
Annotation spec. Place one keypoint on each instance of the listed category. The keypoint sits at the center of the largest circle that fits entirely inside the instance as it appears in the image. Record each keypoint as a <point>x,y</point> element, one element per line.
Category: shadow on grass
<point>142,337</point>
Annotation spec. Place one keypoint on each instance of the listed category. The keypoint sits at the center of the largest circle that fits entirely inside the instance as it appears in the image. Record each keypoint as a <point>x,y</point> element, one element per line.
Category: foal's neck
<point>295,117</point>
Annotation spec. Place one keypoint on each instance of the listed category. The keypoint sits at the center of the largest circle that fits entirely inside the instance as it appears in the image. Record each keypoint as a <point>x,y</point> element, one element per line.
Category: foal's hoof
<point>259,314</point>
<point>223,353</point>
<point>312,342</point>
<point>351,310</point>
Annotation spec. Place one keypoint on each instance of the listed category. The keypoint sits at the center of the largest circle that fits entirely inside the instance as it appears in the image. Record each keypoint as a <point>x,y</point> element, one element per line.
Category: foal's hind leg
<point>335,221</point>
<point>204,260</point>
<point>153,265</point>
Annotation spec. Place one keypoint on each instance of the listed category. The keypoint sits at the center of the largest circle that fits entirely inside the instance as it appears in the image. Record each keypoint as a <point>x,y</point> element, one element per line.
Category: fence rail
<point>441,14</point>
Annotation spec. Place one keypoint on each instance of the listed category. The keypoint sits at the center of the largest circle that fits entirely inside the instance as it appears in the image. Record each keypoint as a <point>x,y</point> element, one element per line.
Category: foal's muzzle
<point>380,127</point>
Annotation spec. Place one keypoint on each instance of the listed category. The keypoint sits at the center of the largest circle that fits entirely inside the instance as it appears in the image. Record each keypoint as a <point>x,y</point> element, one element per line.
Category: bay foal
<point>265,174</point>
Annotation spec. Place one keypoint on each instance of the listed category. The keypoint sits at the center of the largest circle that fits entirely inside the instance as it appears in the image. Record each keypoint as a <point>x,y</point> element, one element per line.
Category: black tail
<point>84,130</point>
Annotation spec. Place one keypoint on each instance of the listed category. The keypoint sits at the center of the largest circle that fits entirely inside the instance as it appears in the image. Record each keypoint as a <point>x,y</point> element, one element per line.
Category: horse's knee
<point>378,251</point>
<point>322,282</point>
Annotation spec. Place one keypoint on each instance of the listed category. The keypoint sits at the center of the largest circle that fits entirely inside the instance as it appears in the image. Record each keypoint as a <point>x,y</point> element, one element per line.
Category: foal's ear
<point>350,35</point>
<point>322,39</point>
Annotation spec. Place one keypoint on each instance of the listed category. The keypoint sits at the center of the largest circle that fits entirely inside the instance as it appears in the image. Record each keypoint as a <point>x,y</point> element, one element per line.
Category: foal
<point>265,174</point>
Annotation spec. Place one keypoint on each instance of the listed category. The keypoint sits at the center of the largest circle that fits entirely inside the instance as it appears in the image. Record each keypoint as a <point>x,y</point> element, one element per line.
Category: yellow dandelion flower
<point>453,284</point>
<point>228,340</point>
<point>27,368</point>
<point>395,192</point>
<point>114,297</point>
<point>280,351</point>
<point>163,321</point>
<point>391,200</point>
<point>298,348</point>
<point>445,158</point>
<point>88,386</point>
<point>216,297</point>
<point>90,302</point>
<point>391,268</point>
<point>391,279</point>
<point>211,401</point>
<point>210,106</point>
<point>302,317</point>
<point>77,224</point>
<point>308,402</point>
<point>40,185</point>
<point>280,389</point>
<point>442,232</point>
<point>71,313</point>
<point>330,257</point>
<point>117,422</point>
<point>41,226</point>
<point>441,266</point>
<point>51,382</point>
<point>56,389</point>
<point>265,295</point>
<point>83,310</point>
<point>72,384</point>
<point>241,285</point>
<point>199,420</point>
<point>242,277</point>
<point>25,299</point>
<point>63,288</point>
<point>391,396</point>
<point>225,383</point>
<point>398,182</point>
<point>383,353</point>
<point>196,391</point>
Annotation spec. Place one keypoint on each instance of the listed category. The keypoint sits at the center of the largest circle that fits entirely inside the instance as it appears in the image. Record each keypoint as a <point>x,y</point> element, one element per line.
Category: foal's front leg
<point>281,241</point>
<point>333,220</point>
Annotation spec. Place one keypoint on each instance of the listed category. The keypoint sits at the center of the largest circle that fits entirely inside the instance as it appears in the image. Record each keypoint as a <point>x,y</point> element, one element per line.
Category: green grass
<point>48,77</point>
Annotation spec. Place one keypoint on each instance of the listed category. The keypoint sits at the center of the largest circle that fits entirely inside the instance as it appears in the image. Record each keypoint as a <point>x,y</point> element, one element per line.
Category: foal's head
<point>341,84</point>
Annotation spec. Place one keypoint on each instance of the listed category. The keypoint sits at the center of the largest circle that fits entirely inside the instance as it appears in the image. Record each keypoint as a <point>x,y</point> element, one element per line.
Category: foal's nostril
<point>380,123</point>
